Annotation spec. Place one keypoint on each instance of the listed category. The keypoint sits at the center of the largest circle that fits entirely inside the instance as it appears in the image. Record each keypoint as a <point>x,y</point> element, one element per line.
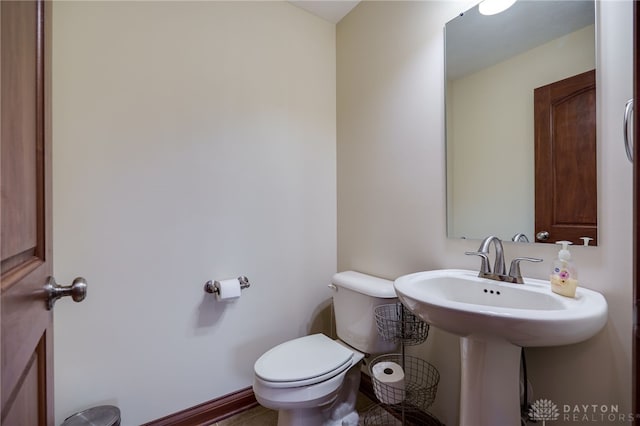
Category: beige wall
<point>490,119</point>
<point>192,140</point>
<point>391,189</point>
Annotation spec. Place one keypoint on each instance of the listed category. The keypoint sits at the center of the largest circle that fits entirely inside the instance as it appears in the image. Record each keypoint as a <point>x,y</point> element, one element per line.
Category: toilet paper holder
<point>213,287</point>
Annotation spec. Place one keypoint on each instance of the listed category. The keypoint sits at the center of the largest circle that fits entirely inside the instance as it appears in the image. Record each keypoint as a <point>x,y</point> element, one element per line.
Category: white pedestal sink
<point>494,320</point>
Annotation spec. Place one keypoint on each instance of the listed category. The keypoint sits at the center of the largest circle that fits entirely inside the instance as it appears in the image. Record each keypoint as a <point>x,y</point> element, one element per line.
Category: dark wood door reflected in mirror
<point>566,184</point>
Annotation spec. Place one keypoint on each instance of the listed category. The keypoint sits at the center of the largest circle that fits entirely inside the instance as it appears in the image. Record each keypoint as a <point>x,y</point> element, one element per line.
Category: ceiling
<point>330,10</point>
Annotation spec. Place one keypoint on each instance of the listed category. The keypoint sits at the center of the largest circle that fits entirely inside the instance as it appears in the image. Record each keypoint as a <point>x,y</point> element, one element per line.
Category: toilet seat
<point>303,361</point>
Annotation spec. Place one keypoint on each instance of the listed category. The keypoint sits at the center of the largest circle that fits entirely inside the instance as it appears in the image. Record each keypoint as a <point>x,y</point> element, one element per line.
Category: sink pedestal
<point>490,382</point>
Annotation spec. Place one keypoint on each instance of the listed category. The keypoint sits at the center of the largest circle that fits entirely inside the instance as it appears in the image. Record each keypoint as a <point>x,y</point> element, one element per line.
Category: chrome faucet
<point>498,263</point>
<point>520,237</point>
<point>499,270</point>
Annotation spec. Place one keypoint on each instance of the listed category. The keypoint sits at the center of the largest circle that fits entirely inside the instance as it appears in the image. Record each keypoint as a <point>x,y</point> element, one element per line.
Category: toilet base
<point>300,417</point>
<point>340,412</point>
<point>315,417</point>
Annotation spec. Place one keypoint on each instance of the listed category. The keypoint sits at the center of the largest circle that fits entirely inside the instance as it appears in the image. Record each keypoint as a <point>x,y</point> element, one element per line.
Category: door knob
<point>542,236</point>
<point>77,290</point>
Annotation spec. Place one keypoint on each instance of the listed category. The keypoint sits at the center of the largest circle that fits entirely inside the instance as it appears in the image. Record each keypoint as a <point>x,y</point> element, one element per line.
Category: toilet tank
<point>355,295</point>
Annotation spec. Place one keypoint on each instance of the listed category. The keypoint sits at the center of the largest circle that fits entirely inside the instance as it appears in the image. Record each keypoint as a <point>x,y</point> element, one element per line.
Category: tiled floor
<point>260,416</point>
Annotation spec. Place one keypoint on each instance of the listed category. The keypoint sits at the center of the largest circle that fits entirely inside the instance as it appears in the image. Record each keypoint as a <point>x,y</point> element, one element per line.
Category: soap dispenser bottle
<point>564,276</point>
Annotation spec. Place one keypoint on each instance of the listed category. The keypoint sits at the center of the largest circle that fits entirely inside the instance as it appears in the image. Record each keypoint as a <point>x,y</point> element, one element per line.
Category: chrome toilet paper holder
<point>213,287</point>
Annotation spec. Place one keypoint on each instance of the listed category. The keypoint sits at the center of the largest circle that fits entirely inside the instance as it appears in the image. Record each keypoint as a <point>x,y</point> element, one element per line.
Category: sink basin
<point>494,321</point>
<point>528,314</point>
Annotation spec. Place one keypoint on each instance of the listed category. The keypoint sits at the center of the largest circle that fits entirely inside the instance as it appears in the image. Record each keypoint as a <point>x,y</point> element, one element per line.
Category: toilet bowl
<point>314,380</point>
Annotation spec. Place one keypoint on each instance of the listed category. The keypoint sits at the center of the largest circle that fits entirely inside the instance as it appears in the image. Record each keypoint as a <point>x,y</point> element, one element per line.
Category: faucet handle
<point>484,266</point>
<point>514,269</point>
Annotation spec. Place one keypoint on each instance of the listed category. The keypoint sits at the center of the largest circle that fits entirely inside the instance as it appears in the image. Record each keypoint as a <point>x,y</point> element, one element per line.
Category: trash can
<point>104,415</point>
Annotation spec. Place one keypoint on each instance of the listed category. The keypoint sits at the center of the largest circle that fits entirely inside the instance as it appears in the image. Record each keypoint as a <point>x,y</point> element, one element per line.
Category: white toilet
<point>314,380</point>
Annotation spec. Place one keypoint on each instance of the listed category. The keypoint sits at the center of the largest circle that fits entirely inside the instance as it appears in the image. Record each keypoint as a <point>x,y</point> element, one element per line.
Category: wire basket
<point>389,416</point>
<point>404,380</point>
<point>397,323</point>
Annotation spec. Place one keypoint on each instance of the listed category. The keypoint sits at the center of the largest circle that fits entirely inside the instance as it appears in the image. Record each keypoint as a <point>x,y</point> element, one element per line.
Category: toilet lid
<point>304,359</point>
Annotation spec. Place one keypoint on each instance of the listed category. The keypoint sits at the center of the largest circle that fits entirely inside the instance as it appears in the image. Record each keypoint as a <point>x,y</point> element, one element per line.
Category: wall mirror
<point>494,66</point>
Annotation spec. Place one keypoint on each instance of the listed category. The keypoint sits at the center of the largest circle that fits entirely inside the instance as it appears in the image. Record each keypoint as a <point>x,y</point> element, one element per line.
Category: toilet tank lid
<point>365,284</point>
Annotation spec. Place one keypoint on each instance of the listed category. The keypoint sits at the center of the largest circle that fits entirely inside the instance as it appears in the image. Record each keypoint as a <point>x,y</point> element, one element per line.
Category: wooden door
<point>25,209</point>
<point>565,159</point>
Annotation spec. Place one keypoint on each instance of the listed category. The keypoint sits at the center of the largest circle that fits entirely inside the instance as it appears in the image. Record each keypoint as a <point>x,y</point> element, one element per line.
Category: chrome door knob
<point>77,290</point>
<point>542,236</point>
